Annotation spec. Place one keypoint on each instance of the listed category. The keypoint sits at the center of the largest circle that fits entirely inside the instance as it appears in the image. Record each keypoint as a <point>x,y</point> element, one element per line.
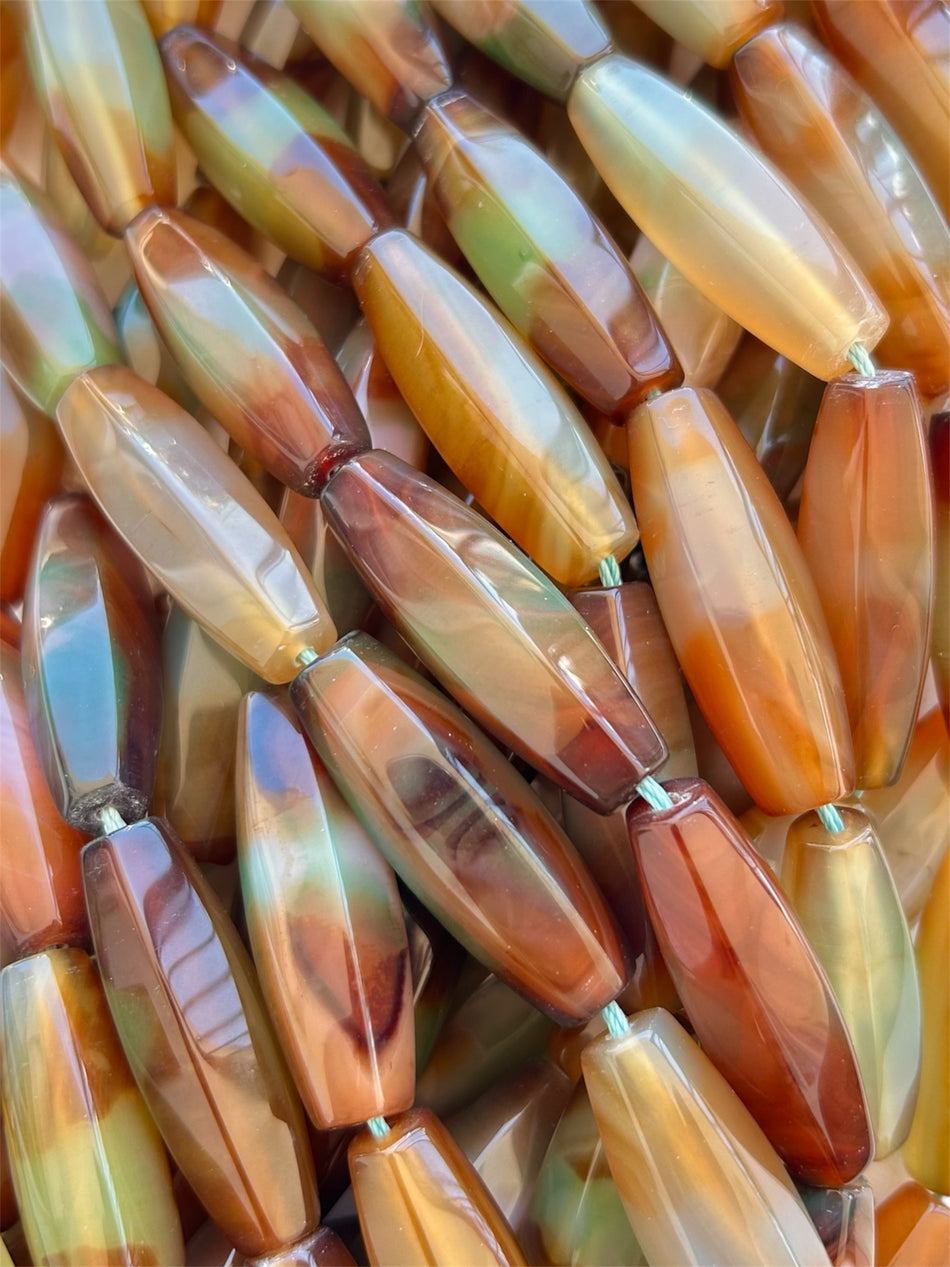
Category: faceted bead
<point>493,630</point>
<point>701,334</point>
<point>627,622</point>
<point>41,902</point>
<point>544,44</point>
<point>913,815</point>
<point>723,216</point>
<point>827,136</point>
<point>505,1133</point>
<point>185,1001</point>
<point>203,689</point>
<point>739,604</point>
<point>699,1180</point>
<point>548,264</point>
<point>713,31</point>
<point>774,404</point>
<point>494,412</point>
<point>843,894</point>
<point>325,924</point>
<point>71,208</point>
<point>927,1151</point>
<point>31,462</point>
<point>751,985</point>
<point>489,1036</point>
<point>913,1229</point>
<point>392,424</point>
<point>303,519</point>
<point>323,1249</point>
<point>844,1219</point>
<point>247,351</point>
<point>145,351</point>
<point>273,151</point>
<point>940,638</point>
<point>189,513</point>
<point>897,52</point>
<point>386,50</point>
<point>577,1218</point>
<point>91,668</point>
<point>56,322</point>
<point>422,1204</point>
<point>165,15</point>
<point>866,528</point>
<point>99,77</point>
<point>89,1168</point>
<point>461,828</point>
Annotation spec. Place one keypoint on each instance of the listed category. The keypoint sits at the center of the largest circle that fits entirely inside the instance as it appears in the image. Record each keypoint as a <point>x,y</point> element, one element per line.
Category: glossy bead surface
<point>386,50</point>
<point>940,639</point>
<point>897,52</point>
<point>843,894</point>
<point>506,1131</point>
<point>577,1218</point>
<point>866,526</point>
<point>323,1249</point>
<point>751,985</point>
<point>741,235</point>
<point>840,152</point>
<point>544,44</point>
<point>774,404</point>
<point>927,1151</point>
<point>712,29</point>
<point>699,1180</point>
<point>185,509</point>
<point>98,74</point>
<point>202,690</point>
<point>273,151</point>
<point>392,424</point>
<point>494,412</point>
<point>546,261</point>
<point>739,604</point>
<point>31,462</point>
<point>247,351</point>
<point>89,1168</point>
<point>401,1183</point>
<point>627,621</point>
<point>325,924</point>
<point>56,322</point>
<point>186,1004</point>
<point>844,1219</point>
<point>912,816</point>
<point>913,1229</point>
<point>701,334</point>
<point>90,667</point>
<point>165,15</point>
<point>461,828</point>
<point>41,902</point>
<point>493,630</point>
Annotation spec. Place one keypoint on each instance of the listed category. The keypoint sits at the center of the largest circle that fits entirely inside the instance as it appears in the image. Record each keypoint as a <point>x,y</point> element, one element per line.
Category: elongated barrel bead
<point>461,828</point>
<point>494,630</point>
<point>183,994</point>
<point>274,152</point>
<point>842,154</point>
<point>90,1171</point>
<point>866,526</point>
<point>739,604</point>
<point>712,29</point>
<point>844,896</point>
<point>549,265</point>
<point>187,511</point>
<point>326,926</point>
<point>742,235</point>
<point>750,983</point>
<point>91,667</point>
<point>248,352</point>
<point>699,1180</point>
<point>98,75</point>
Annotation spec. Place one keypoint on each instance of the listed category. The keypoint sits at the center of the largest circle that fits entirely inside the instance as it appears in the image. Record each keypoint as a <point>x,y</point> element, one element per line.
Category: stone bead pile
<point>474,575</point>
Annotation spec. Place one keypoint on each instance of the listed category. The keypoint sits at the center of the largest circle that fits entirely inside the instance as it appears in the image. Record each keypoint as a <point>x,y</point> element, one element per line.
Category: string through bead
<point>831,820</point>
<point>377,1126</point>
<point>615,1020</point>
<point>860,358</point>
<point>654,793</point>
